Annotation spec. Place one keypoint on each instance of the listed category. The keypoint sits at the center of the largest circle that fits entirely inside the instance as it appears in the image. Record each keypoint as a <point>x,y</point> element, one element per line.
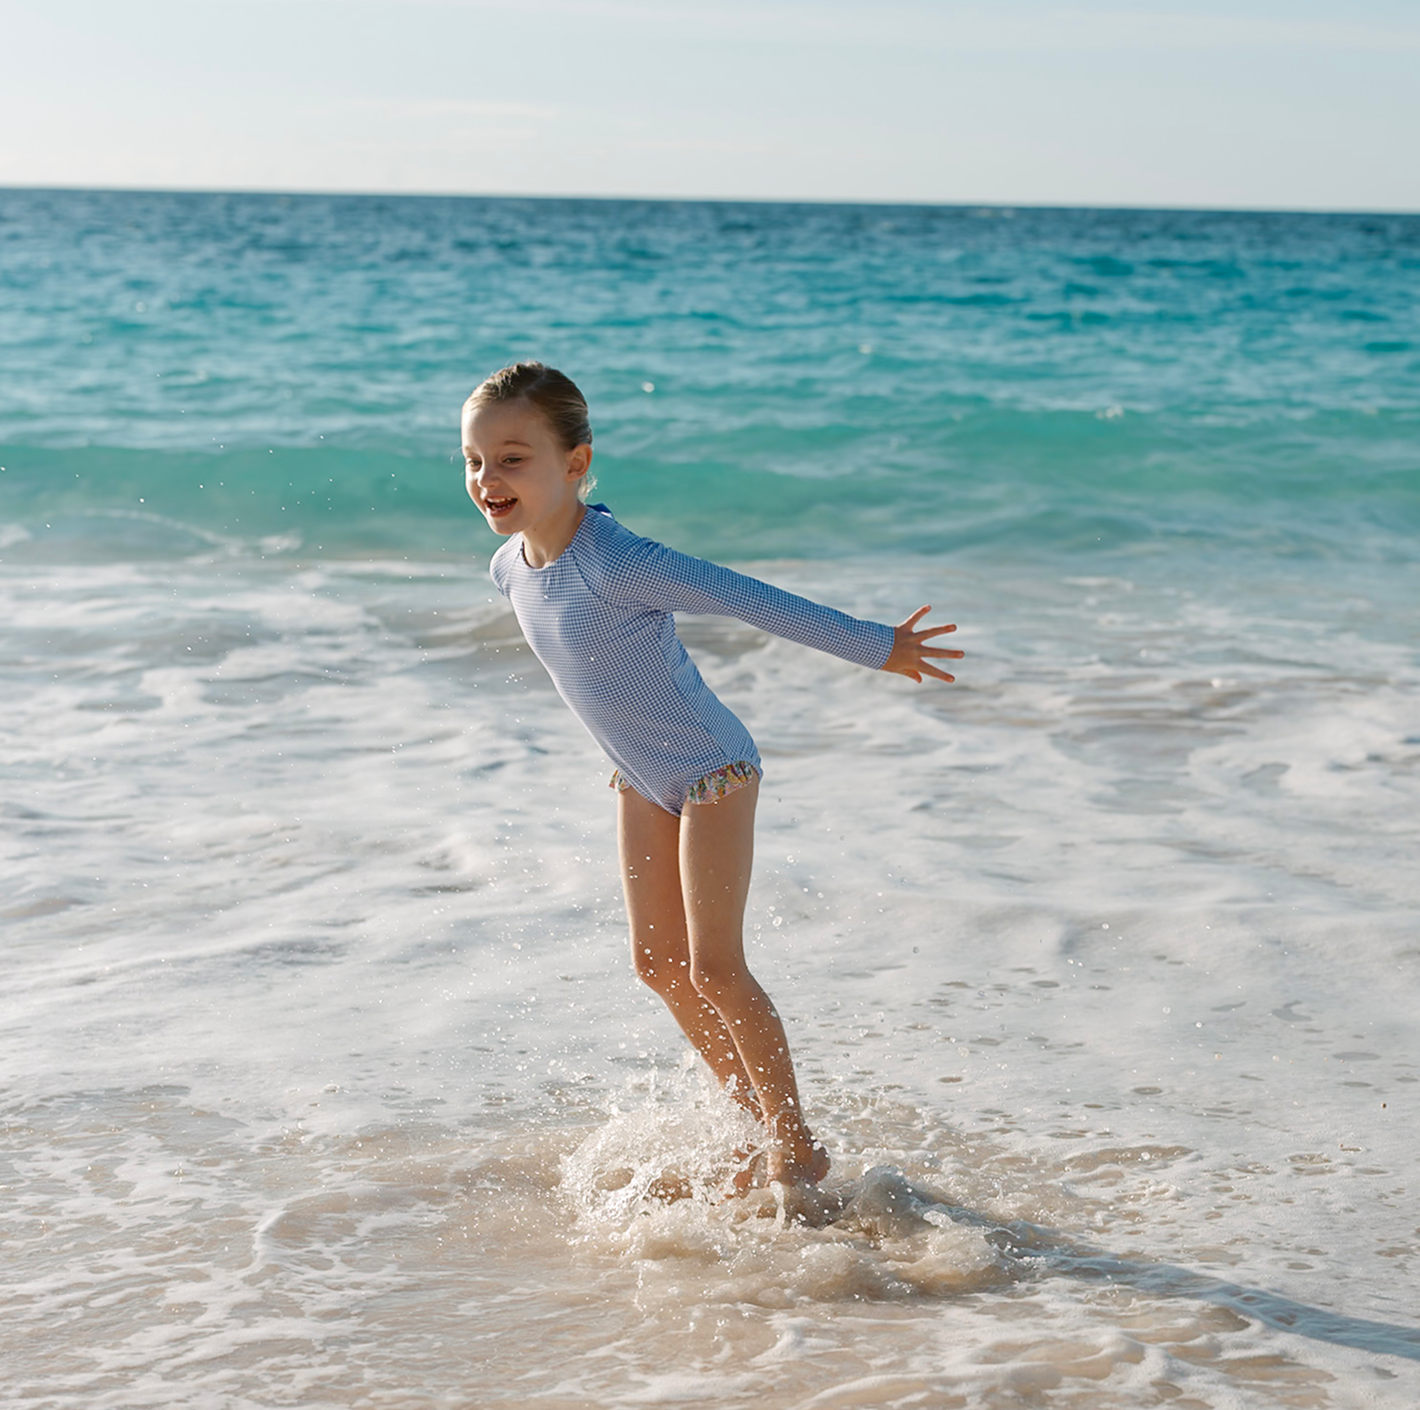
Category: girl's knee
<point>719,981</point>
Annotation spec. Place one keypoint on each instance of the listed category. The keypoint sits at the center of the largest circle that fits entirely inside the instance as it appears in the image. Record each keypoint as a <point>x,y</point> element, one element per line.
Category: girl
<point>595,603</point>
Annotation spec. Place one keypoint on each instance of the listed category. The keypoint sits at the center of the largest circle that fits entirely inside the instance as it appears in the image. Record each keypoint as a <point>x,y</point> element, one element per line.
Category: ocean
<point>1100,966</point>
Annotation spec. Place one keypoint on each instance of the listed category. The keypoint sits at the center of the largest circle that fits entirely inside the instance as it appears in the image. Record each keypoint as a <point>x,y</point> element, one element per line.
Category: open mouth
<point>499,506</point>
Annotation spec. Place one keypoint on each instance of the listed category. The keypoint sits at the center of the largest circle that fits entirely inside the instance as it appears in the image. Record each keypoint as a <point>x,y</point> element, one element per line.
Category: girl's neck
<point>547,542</point>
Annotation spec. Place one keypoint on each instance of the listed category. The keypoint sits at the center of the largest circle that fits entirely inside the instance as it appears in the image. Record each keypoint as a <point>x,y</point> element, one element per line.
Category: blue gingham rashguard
<point>599,619</point>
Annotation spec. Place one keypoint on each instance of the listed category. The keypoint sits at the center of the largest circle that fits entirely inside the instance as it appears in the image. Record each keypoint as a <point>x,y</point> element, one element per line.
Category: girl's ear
<point>579,461</point>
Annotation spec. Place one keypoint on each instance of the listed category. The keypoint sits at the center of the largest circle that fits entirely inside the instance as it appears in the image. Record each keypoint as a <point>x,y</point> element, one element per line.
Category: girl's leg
<point>716,855</point>
<point>649,840</point>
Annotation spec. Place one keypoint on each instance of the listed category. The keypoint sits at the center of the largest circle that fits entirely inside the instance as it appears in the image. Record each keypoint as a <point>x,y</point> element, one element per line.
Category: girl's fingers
<point>909,643</point>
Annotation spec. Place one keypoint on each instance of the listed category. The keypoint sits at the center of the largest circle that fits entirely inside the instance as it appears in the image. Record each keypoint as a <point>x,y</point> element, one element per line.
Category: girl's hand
<point>910,658</point>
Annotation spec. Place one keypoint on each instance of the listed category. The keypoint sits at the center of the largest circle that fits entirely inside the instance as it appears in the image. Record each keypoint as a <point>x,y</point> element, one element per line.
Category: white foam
<point>325,1062</point>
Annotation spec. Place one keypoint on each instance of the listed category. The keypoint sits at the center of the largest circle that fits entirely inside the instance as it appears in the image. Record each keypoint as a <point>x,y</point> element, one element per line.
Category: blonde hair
<point>552,393</point>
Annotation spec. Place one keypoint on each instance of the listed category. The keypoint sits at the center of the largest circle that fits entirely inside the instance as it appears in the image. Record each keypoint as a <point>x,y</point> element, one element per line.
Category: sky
<point>1235,104</point>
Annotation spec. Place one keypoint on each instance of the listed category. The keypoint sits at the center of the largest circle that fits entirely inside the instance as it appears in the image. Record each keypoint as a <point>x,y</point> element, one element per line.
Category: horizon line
<point>915,202</point>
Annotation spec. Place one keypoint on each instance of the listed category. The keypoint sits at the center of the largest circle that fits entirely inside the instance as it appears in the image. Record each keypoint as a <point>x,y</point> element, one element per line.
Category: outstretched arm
<point>652,575</point>
<point>909,657</point>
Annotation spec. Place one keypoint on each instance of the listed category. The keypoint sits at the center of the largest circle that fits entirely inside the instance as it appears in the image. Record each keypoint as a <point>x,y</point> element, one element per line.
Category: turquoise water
<point>324,1079</point>
<point>915,379</point>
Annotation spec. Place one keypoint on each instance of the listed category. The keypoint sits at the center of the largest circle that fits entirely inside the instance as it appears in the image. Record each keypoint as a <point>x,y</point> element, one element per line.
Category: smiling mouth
<point>499,506</point>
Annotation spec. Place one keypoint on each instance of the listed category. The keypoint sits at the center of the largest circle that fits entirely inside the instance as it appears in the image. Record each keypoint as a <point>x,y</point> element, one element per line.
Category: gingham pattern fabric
<point>598,618</point>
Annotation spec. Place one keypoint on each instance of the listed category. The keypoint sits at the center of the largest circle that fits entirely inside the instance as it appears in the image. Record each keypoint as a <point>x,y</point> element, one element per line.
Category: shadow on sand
<point>1049,1249</point>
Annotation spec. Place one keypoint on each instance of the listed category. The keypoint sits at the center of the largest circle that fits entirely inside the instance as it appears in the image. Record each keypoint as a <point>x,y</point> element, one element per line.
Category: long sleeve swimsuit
<point>598,617</point>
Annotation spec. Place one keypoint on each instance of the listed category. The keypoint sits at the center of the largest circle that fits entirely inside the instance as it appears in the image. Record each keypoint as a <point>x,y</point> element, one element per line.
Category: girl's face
<point>517,471</point>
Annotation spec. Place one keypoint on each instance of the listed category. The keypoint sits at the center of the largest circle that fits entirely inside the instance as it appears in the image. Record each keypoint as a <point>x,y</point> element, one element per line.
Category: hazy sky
<point>1223,103</point>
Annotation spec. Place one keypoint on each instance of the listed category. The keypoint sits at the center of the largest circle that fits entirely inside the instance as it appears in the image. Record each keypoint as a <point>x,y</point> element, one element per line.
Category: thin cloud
<point>440,109</point>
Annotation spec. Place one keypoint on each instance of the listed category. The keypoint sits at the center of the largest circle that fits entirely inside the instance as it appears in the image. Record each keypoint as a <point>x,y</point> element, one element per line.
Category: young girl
<point>595,602</point>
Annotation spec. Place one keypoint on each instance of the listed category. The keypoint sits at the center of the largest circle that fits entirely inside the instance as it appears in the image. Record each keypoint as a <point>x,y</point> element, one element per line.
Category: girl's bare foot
<point>797,1166</point>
